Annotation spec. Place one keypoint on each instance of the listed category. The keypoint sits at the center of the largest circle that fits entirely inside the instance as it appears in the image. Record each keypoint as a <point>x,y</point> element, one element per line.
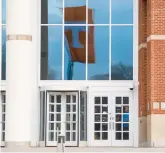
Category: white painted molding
<point>156,37</point>
<point>142,45</point>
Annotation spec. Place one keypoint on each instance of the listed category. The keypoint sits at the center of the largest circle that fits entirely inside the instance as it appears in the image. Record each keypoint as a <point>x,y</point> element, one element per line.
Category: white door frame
<point>134,114</point>
<point>62,121</point>
<point>91,86</point>
<point>129,142</point>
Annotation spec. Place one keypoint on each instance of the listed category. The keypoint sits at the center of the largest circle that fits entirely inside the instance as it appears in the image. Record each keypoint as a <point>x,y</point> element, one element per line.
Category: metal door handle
<point>110,125</point>
<point>113,126</point>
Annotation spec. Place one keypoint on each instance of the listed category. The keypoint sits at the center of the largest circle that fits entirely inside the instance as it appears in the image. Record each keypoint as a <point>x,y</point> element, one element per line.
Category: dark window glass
<point>51,52</point>
<point>122,53</point>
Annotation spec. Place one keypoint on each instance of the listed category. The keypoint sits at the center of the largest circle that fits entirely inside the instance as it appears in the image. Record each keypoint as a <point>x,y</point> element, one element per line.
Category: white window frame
<point>135,42</point>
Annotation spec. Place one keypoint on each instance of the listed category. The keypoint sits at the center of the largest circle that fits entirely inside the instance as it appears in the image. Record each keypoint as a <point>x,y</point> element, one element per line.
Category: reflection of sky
<point>3,53</point>
<point>122,10</point>
<point>55,50</point>
<point>121,36</point>
<point>101,44</point>
<point>3,11</point>
<point>122,45</point>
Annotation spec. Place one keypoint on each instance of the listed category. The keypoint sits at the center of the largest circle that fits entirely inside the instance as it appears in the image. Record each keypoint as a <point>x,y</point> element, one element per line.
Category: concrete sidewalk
<point>83,149</point>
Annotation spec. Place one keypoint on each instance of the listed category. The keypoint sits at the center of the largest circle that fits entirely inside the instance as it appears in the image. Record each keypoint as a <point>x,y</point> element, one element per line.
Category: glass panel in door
<point>121,132</point>
<point>71,117</point>
<point>101,125</point>
<point>62,118</point>
<point>53,118</point>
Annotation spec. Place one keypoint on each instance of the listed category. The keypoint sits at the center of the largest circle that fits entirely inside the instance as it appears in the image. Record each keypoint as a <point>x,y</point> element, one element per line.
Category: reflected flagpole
<point>70,62</point>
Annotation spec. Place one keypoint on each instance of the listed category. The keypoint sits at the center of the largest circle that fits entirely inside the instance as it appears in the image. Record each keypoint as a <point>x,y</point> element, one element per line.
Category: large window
<point>3,43</point>
<point>87,40</point>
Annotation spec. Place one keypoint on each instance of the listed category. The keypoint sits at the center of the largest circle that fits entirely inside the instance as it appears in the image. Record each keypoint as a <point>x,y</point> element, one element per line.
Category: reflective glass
<point>99,69</point>
<point>75,11</point>
<point>3,75</point>
<point>51,11</point>
<point>75,53</point>
<point>122,11</point>
<point>98,45</point>
<point>100,12</point>
<point>51,52</point>
<point>3,11</point>
<point>122,53</point>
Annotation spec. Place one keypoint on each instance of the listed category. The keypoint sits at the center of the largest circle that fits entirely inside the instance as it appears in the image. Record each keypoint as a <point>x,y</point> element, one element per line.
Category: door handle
<point>113,126</point>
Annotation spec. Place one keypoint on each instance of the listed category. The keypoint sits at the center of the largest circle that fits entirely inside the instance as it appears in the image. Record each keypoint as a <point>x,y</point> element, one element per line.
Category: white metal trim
<point>63,42</point>
<point>94,24</point>
<point>110,39</point>
<point>135,92</point>
<point>39,41</point>
<point>86,63</point>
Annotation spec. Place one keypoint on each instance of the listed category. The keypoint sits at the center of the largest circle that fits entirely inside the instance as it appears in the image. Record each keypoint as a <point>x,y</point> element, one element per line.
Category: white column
<point>21,72</point>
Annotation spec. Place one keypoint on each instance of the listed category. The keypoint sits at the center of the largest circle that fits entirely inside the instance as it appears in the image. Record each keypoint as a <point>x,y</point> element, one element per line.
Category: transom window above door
<point>86,40</point>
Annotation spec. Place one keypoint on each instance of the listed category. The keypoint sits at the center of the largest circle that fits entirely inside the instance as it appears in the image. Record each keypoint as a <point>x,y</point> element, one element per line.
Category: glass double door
<point>111,119</point>
<point>62,118</point>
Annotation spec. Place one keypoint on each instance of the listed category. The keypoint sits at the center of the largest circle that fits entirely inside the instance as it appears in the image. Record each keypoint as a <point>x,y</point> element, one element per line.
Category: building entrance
<point>62,118</point>
<point>111,119</point>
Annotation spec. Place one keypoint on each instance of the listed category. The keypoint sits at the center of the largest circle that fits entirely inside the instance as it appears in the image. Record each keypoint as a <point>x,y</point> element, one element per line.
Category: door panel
<point>71,125</point>
<point>100,120</point>
<point>62,118</point>
<point>53,118</point>
<point>111,119</point>
<point>122,132</point>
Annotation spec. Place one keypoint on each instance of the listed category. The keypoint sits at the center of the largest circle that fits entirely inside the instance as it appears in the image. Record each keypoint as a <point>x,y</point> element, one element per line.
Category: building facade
<point>92,72</point>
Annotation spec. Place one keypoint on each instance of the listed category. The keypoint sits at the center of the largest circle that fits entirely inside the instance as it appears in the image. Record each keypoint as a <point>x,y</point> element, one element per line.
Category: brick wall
<point>151,56</point>
<point>142,57</point>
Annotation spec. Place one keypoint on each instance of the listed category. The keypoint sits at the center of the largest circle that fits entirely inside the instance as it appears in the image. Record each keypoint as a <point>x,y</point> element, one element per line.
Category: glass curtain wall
<point>3,40</point>
<point>86,40</point>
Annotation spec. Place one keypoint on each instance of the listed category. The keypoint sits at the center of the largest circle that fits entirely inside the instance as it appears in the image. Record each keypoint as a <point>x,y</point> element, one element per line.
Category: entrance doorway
<point>111,122</point>
<point>62,118</point>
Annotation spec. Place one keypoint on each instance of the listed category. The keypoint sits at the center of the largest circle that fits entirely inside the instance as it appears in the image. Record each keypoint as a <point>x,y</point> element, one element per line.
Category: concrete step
<point>82,149</point>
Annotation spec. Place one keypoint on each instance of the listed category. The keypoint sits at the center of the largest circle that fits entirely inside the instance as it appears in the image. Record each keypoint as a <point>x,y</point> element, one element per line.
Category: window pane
<point>75,11</point>
<point>122,53</point>
<point>3,75</point>
<point>51,12</point>
<point>122,11</point>
<point>75,53</point>
<point>99,69</point>
<point>100,11</point>
<point>51,52</point>
<point>3,11</point>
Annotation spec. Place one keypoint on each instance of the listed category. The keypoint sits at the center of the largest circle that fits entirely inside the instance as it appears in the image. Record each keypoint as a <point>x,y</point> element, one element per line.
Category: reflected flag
<point>76,35</point>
